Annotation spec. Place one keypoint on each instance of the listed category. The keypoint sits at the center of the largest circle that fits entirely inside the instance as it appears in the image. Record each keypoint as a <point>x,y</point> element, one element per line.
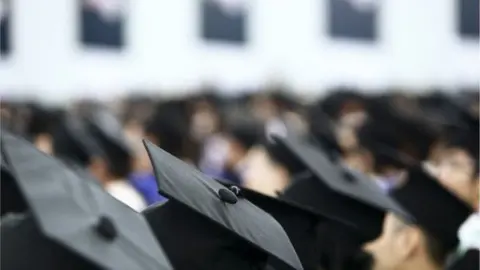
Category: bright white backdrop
<point>418,48</point>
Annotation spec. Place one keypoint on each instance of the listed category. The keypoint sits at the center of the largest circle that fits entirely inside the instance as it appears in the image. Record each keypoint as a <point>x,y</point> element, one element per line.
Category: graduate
<point>426,236</point>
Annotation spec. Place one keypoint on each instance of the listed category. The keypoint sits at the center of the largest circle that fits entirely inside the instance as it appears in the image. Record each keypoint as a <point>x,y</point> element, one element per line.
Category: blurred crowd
<point>227,137</point>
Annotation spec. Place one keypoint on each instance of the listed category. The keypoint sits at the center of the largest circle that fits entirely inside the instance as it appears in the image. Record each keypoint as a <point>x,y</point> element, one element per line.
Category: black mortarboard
<point>24,247</point>
<point>108,134</point>
<point>281,155</point>
<point>72,141</point>
<point>12,200</point>
<point>78,215</point>
<point>206,226</point>
<point>299,223</point>
<point>469,261</point>
<point>337,191</point>
<point>432,206</point>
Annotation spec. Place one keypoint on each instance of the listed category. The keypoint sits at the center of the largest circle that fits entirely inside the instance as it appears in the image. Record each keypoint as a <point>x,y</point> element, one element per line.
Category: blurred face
<point>456,171</point>
<point>204,122</point>
<point>395,246</point>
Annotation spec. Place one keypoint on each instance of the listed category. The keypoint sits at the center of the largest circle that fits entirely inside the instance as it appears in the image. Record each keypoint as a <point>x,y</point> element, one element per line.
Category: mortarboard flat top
<point>186,186</point>
<point>337,178</point>
<point>12,200</point>
<point>21,238</point>
<point>469,261</point>
<point>299,222</point>
<point>432,206</point>
<point>79,215</point>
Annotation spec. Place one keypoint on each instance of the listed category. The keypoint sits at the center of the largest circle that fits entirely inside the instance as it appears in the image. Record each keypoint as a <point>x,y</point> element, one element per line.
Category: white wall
<point>418,48</point>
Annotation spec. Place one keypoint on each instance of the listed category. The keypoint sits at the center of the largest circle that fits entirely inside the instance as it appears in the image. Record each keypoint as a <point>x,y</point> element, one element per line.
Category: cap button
<point>106,228</point>
<point>227,196</point>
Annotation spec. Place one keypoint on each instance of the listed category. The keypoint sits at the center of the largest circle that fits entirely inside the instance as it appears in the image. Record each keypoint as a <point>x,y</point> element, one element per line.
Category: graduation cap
<point>72,141</point>
<point>75,214</point>
<point>432,206</point>
<point>281,155</point>
<point>337,191</point>
<point>12,200</point>
<point>206,226</point>
<point>469,261</point>
<point>299,222</point>
<point>108,134</point>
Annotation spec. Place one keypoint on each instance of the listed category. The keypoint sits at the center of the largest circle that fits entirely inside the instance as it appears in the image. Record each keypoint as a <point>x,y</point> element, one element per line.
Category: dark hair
<point>436,250</point>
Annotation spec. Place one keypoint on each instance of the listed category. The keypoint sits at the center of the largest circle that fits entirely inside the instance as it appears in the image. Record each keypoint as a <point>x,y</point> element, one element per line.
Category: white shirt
<point>124,192</point>
<point>469,233</point>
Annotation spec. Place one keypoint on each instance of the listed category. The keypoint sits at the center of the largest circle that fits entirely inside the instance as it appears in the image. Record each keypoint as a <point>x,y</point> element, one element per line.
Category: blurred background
<point>207,79</point>
<point>108,48</point>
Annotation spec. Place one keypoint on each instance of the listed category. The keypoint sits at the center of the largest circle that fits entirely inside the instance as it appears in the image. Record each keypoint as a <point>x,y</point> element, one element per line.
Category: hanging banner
<point>468,18</point>
<point>5,28</point>
<point>353,19</point>
<point>224,21</point>
<point>102,23</point>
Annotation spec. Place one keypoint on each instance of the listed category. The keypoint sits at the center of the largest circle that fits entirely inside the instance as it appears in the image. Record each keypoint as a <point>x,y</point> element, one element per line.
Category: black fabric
<point>11,199</point>
<point>299,223</point>
<point>338,178</point>
<point>194,190</point>
<point>337,245</point>
<point>192,241</point>
<point>432,206</point>
<point>24,247</point>
<point>469,261</point>
<point>309,192</point>
<point>281,155</point>
<point>78,214</point>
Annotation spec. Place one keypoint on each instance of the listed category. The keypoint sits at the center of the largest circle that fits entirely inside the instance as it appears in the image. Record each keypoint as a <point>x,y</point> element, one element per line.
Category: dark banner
<point>224,21</point>
<point>353,19</point>
<point>468,18</point>
<point>5,28</point>
<point>102,23</point>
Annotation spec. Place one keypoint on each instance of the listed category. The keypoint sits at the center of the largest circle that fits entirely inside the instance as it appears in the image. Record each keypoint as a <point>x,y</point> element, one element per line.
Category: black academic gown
<point>337,245</point>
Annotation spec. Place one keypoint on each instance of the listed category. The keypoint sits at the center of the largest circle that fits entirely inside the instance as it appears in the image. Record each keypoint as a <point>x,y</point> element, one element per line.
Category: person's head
<point>426,232</point>
<point>241,137</point>
<point>379,143</point>
<point>403,245</point>
<point>458,169</point>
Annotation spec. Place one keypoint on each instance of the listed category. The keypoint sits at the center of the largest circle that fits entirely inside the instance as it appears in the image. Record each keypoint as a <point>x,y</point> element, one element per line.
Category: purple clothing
<point>146,185</point>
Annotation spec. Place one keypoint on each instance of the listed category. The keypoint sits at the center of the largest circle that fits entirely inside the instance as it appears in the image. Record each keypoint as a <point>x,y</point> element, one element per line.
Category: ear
<point>476,196</point>
<point>408,242</point>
